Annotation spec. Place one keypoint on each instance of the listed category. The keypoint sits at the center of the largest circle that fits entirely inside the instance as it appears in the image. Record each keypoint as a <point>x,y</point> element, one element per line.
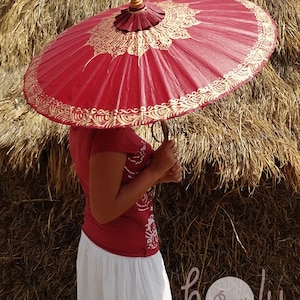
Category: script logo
<point>226,288</point>
<point>229,288</point>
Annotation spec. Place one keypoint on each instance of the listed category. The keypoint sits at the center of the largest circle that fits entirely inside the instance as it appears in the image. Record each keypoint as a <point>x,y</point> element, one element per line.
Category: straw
<point>236,213</point>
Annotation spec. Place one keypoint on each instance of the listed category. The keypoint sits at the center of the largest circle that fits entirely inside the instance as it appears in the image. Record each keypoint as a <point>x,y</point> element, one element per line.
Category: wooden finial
<point>136,4</point>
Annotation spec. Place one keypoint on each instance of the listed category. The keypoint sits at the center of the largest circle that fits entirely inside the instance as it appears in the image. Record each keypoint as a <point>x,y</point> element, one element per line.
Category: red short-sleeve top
<point>134,233</point>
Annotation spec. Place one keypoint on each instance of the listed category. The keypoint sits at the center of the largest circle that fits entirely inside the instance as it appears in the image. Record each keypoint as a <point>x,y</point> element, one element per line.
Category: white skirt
<point>102,275</point>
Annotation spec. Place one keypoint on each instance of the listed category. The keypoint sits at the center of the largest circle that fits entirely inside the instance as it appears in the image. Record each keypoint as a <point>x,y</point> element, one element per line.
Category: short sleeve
<point>114,140</point>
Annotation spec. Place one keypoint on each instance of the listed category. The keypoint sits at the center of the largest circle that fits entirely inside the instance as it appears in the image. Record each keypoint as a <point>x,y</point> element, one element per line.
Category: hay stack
<point>237,211</point>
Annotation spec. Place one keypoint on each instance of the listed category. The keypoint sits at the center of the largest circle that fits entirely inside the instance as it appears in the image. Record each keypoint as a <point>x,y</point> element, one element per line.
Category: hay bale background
<point>237,211</point>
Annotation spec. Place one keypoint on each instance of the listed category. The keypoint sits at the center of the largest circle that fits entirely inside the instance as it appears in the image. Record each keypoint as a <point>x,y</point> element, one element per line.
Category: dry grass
<point>26,26</point>
<point>39,236</point>
<point>231,234</point>
<point>237,211</point>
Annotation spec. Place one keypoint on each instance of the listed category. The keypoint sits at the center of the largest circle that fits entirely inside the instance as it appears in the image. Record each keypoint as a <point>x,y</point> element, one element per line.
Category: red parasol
<point>139,64</point>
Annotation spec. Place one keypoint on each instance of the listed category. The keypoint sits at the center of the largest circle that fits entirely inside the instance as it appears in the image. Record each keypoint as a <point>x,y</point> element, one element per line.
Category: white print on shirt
<point>137,160</point>
<point>145,203</point>
<point>151,233</point>
<point>139,157</point>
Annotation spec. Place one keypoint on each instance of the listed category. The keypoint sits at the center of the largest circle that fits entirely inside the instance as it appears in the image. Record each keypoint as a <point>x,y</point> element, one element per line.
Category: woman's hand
<point>165,163</point>
<point>172,175</point>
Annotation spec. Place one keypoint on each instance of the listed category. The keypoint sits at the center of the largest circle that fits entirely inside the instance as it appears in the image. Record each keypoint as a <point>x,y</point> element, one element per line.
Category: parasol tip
<point>136,5</point>
<point>138,16</point>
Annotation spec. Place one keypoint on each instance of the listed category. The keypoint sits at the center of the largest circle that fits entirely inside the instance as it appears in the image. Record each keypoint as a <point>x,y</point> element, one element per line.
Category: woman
<point>118,255</point>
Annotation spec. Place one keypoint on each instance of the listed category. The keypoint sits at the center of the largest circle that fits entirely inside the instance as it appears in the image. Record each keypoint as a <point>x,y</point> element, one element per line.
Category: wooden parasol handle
<point>165,130</point>
<point>136,4</point>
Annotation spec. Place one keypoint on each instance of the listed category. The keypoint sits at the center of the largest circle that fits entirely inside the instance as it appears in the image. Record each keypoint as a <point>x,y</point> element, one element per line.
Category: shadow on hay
<point>231,233</point>
<point>40,228</point>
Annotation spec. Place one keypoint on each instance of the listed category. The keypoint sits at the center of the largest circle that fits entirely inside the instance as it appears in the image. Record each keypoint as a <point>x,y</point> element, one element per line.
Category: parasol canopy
<point>142,63</point>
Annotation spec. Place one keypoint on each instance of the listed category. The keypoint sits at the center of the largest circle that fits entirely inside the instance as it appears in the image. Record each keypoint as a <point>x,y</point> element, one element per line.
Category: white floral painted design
<point>151,233</point>
<point>145,203</point>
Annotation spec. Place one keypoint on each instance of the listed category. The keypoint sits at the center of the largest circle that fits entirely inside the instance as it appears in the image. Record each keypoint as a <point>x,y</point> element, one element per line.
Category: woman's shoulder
<point>122,139</point>
<point>113,134</point>
<point>106,133</point>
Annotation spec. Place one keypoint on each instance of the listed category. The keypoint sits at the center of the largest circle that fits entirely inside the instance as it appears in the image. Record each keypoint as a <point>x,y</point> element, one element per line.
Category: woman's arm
<point>108,197</point>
